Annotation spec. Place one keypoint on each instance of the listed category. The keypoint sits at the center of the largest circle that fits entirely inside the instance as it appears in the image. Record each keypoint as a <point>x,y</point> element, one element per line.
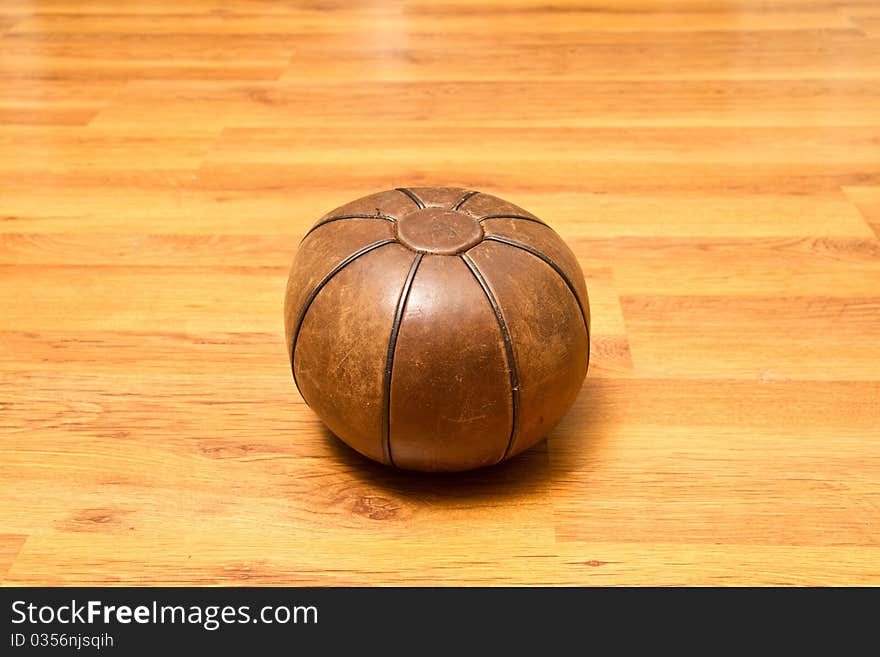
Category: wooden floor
<point>715,166</point>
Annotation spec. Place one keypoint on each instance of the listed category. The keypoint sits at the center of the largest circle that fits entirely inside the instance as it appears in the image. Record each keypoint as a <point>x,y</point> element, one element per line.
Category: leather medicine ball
<point>435,328</point>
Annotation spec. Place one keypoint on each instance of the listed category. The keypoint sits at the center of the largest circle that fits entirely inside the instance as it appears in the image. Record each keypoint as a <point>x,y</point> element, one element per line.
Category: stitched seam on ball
<point>340,217</point>
<point>412,196</point>
<point>464,199</point>
<point>555,267</point>
<point>389,358</point>
<point>314,293</point>
<point>534,220</point>
<point>508,351</point>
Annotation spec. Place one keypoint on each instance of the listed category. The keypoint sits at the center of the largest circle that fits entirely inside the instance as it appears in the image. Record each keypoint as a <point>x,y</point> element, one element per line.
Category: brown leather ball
<point>437,328</point>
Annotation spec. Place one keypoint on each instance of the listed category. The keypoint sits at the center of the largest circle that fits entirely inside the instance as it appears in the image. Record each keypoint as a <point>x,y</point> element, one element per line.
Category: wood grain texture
<point>715,166</point>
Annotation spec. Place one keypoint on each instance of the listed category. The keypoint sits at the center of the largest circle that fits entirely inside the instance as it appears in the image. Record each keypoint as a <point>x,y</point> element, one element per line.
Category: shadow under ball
<point>435,328</point>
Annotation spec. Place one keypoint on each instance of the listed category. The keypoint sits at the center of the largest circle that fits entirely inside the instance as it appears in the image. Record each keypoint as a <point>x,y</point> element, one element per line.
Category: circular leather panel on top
<point>435,230</point>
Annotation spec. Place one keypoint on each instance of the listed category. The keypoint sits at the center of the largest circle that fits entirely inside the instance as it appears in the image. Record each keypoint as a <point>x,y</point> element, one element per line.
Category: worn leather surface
<point>450,388</point>
<point>341,349</point>
<point>437,329</point>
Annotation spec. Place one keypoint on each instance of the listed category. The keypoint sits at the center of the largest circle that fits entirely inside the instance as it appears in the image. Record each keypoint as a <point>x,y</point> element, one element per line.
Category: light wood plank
<point>867,200</point>
<point>868,23</point>
<point>560,102</point>
<point>10,546</point>
<point>632,55</point>
<point>205,204</point>
<point>28,102</point>
<point>70,147</point>
<point>116,298</point>
<point>467,19</point>
<point>830,267</point>
<point>677,564</point>
<point>766,462</point>
<point>754,337</point>
<point>713,166</point>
